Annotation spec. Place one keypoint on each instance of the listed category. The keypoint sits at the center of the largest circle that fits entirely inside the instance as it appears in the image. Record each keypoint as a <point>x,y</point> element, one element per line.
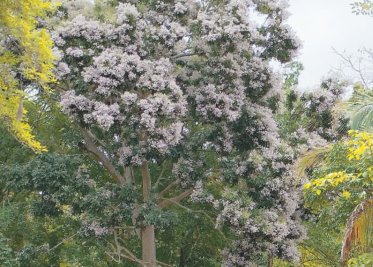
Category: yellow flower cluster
<point>332,179</point>
<point>359,144</point>
<point>31,57</point>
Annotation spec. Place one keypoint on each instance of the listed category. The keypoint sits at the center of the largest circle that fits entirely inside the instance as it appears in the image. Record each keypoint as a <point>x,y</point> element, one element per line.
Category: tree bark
<point>168,202</point>
<point>270,261</point>
<point>101,157</point>
<point>147,232</point>
<point>182,261</point>
<point>148,246</point>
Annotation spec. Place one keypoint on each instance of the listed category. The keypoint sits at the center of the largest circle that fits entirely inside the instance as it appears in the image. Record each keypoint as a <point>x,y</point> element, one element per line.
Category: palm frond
<point>309,160</point>
<point>361,108</point>
<point>358,236</point>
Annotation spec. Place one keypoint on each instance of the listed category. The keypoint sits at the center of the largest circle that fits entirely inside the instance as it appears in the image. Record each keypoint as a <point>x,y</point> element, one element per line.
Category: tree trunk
<point>147,232</point>
<point>148,246</point>
<point>270,261</point>
<point>182,259</point>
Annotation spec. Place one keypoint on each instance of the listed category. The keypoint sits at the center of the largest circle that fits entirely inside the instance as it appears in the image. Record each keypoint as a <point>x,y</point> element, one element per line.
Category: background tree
<point>36,226</point>
<point>309,122</point>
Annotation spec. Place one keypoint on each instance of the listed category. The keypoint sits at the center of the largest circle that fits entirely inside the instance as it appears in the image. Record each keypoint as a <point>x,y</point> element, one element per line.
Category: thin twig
<point>63,241</point>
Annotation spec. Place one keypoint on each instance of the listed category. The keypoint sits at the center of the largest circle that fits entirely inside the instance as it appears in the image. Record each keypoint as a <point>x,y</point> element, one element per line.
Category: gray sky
<point>322,25</point>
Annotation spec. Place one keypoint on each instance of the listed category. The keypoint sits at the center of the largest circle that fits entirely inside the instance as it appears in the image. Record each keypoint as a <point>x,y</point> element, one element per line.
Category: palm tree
<point>361,108</point>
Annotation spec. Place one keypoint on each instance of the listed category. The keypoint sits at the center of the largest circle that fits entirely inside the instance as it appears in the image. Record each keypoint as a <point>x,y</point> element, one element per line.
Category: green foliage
<point>343,181</point>
<point>317,113</point>
<point>7,258</point>
<point>291,75</point>
<point>362,260</point>
<point>321,249</point>
<point>194,242</point>
<point>36,224</point>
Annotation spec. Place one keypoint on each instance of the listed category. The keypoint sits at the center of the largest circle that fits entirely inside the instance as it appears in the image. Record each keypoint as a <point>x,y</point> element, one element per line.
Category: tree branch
<point>186,54</point>
<point>121,251</point>
<point>101,157</point>
<point>352,65</point>
<point>161,174</point>
<point>203,213</point>
<point>63,241</point>
<point>168,202</point>
<point>167,189</point>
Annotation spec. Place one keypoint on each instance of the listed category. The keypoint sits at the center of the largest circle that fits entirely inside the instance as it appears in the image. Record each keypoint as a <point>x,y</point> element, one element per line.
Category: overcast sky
<point>322,25</point>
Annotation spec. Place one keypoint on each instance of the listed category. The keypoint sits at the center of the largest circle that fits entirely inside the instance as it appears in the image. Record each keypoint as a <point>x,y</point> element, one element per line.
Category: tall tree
<point>174,96</point>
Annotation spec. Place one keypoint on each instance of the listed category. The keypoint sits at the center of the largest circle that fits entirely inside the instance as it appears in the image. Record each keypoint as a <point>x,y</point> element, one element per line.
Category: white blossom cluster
<point>125,88</point>
<point>96,228</point>
<point>272,230</point>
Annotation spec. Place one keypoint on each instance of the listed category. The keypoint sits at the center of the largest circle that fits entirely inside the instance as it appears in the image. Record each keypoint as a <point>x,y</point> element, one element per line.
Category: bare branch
<point>110,254</point>
<point>120,251</point>
<point>161,174</point>
<point>353,66</point>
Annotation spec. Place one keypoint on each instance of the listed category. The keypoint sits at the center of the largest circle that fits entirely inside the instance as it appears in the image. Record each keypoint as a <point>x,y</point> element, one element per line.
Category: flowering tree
<point>174,96</point>
<point>25,56</point>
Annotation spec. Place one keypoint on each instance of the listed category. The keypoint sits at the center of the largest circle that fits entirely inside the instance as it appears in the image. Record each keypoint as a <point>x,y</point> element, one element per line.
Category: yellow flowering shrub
<point>354,177</point>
